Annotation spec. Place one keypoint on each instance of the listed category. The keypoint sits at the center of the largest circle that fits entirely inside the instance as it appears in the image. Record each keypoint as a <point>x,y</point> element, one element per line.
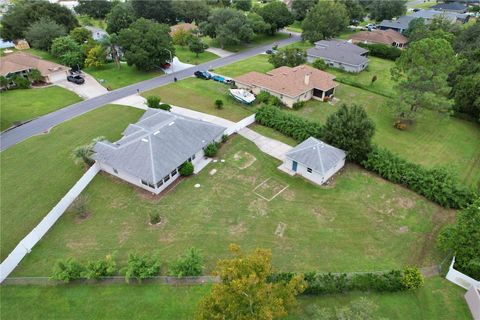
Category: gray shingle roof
<point>450,6</point>
<point>157,144</point>
<point>430,14</point>
<point>400,23</point>
<point>339,51</point>
<point>317,155</point>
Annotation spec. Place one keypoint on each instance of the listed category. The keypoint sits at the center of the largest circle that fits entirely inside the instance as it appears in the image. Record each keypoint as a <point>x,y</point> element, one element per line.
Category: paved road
<point>45,122</point>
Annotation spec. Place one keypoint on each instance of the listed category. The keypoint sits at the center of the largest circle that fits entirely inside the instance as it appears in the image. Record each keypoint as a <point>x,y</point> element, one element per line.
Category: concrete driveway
<point>90,89</point>
<point>270,146</point>
<point>177,65</point>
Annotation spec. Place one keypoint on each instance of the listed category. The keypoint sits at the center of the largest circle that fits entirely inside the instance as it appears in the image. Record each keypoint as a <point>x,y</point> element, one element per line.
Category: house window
<point>145,182</point>
<point>166,178</point>
<point>159,183</point>
<point>151,186</point>
<point>174,172</point>
<point>115,170</point>
<point>189,160</point>
<point>309,170</point>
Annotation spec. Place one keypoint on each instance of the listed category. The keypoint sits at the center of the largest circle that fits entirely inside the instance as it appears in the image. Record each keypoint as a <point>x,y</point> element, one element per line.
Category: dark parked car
<point>78,79</point>
<point>203,75</point>
<point>166,65</point>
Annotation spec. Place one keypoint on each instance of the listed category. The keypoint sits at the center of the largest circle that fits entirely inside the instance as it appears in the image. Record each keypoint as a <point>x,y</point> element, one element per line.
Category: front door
<point>294,166</point>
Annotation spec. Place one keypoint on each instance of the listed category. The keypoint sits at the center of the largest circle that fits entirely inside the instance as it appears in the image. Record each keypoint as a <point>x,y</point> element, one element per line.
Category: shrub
<point>211,150</point>
<point>219,104</point>
<point>186,169</point>
<point>319,64</point>
<point>21,82</point>
<point>437,185</point>
<point>262,97</point>
<point>100,268</point>
<point>267,98</point>
<point>154,217</point>
<point>298,105</point>
<point>79,206</point>
<point>352,130</point>
<point>412,278</point>
<point>141,267</point>
<point>153,102</point>
<point>165,107</point>
<point>382,51</point>
<point>67,270</point>
<point>275,101</point>
<point>224,138</point>
<point>191,264</point>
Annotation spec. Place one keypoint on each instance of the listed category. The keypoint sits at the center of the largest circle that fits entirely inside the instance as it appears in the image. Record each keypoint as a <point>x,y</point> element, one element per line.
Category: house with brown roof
<point>21,63</point>
<point>185,26</point>
<point>290,85</point>
<point>388,37</point>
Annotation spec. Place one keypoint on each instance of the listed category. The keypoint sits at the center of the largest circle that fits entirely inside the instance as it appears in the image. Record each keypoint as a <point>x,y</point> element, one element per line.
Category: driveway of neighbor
<point>90,89</point>
<point>270,146</point>
<point>220,52</point>
<point>177,65</point>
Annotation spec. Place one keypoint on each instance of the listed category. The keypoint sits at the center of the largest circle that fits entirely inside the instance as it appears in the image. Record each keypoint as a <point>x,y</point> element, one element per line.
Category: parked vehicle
<point>242,95</point>
<point>77,79</point>
<point>202,75</point>
<point>218,78</point>
<point>166,65</point>
<point>271,51</point>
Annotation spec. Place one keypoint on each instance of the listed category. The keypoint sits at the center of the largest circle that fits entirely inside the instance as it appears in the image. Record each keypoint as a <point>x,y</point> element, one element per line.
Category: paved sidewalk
<point>270,146</point>
<point>220,52</point>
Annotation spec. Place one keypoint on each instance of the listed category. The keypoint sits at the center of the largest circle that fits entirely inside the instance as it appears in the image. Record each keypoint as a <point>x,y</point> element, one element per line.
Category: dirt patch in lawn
<point>269,189</point>
<point>82,245</point>
<point>125,233</point>
<point>405,203</point>
<point>258,207</point>
<point>288,195</point>
<point>243,159</point>
<point>83,217</point>
<point>280,230</point>
<point>237,229</point>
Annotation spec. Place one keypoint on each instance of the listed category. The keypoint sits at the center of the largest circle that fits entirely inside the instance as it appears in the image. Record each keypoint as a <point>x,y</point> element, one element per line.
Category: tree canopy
<point>352,130</point>
<point>197,46</point>
<point>277,15</point>
<point>42,32</point>
<point>23,14</point>
<point>97,9</point>
<point>381,9</point>
<point>354,8</point>
<point>147,44</point>
<point>119,18</point>
<point>160,11</point>
<point>290,57</point>
<point>80,35</point>
<point>421,75</point>
<point>190,11</point>
<point>301,7</point>
<point>244,291</point>
<point>244,5</point>
<point>326,20</point>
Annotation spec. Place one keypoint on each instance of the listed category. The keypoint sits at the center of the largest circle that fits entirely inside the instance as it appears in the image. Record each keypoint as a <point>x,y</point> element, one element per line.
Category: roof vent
<point>144,140</point>
<point>171,123</point>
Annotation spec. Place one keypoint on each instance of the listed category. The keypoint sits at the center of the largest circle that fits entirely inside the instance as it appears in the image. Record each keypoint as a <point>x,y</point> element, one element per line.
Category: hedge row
<point>329,283</point>
<point>437,185</point>
<point>288,124</point>
<point>381,50</point>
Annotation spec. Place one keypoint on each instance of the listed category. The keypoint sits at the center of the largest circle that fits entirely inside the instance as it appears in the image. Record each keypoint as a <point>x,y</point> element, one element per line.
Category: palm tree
<point>110,43</point>
<point>84,153</point>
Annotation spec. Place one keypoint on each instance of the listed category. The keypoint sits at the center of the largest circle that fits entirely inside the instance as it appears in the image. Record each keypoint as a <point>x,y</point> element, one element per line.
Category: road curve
<point>44,123</point>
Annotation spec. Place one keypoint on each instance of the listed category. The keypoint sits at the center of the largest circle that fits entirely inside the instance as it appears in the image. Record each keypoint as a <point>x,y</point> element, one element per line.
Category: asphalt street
<point>44,123</point>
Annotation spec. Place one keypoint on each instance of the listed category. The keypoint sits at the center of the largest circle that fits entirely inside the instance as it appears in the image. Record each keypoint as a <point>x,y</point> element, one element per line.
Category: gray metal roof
<point>317,155</point>
<point>157,144</point>
<point>430,14</point>
<point>339,51</point>
<point>400,23</point>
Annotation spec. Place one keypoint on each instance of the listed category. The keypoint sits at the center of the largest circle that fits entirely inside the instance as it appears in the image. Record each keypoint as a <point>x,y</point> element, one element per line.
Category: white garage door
<point>57,76</point>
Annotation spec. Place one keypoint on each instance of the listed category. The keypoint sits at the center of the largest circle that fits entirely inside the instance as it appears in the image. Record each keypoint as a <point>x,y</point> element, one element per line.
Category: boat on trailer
<point>242,95</point>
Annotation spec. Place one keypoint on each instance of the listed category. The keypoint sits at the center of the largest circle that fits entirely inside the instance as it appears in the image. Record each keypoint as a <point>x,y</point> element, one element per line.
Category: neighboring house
<point>6,44</point>
<point>400,24</point>
<point>455,7</point>
<point>339,54</point>
<point>290,85</point>
<point>97,33</point>
<point>388,37</point>
<point>184,26</point>
<point>151,151</point>
<point>315,160</point>
<point>429,15</point>
<point>21,63</point>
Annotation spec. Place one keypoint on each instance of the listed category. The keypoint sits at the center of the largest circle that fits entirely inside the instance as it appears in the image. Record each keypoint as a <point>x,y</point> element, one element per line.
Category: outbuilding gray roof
<point>157,144</point>
<point>339,51</point>
<point>317,155</point>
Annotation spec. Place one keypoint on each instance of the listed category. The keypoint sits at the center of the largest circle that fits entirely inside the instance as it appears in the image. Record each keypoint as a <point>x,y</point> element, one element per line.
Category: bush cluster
<point>186,169</point>
<point>381,50</point>
<point>267,98</point>
<point>288,124</point>
<point>141,267</point>
<point>190,264</point>
<point>211,150</point>
<point>437,185</point>
<point>330,283</point>
<point>298,105</point>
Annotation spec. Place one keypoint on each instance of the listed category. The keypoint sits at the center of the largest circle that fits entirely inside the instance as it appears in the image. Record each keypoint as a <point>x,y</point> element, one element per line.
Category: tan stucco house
<point>290,85</point>
<point>21,63</point>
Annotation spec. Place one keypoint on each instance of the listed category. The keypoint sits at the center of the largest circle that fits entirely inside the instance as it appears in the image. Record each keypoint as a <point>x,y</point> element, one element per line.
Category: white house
<point>151,151</point>
<point>315,160</point>
<point>339,54</point>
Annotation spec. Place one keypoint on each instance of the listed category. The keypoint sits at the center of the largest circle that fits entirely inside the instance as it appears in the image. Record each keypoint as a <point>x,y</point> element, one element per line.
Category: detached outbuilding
<point>314,160</point>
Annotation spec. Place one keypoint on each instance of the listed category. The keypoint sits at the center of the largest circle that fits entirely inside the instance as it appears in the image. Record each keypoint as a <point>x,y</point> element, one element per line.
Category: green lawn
<point>38,172</point>
<point>113,78</point>
<point>376,67</point>
<point>200,95</point>
<point>272,133</point>
<point>295,27</point>
<point>437,300</point>
<point>186,56</point>
<point>146,301</point>
<point>434,140</point>
<point>26,104</point>
<point>360,223</point>
<point>258,40</point>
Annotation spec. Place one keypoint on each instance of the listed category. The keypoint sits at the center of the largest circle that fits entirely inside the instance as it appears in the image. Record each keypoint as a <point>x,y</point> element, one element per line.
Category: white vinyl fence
<point>245,122</point>
<point>461,279</point>
<point>27,243</point>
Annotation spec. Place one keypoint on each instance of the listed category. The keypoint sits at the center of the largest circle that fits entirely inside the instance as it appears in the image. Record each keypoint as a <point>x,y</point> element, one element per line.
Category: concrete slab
<point>270,146</point>
<point>90,89</point>
<point>177,65</point>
